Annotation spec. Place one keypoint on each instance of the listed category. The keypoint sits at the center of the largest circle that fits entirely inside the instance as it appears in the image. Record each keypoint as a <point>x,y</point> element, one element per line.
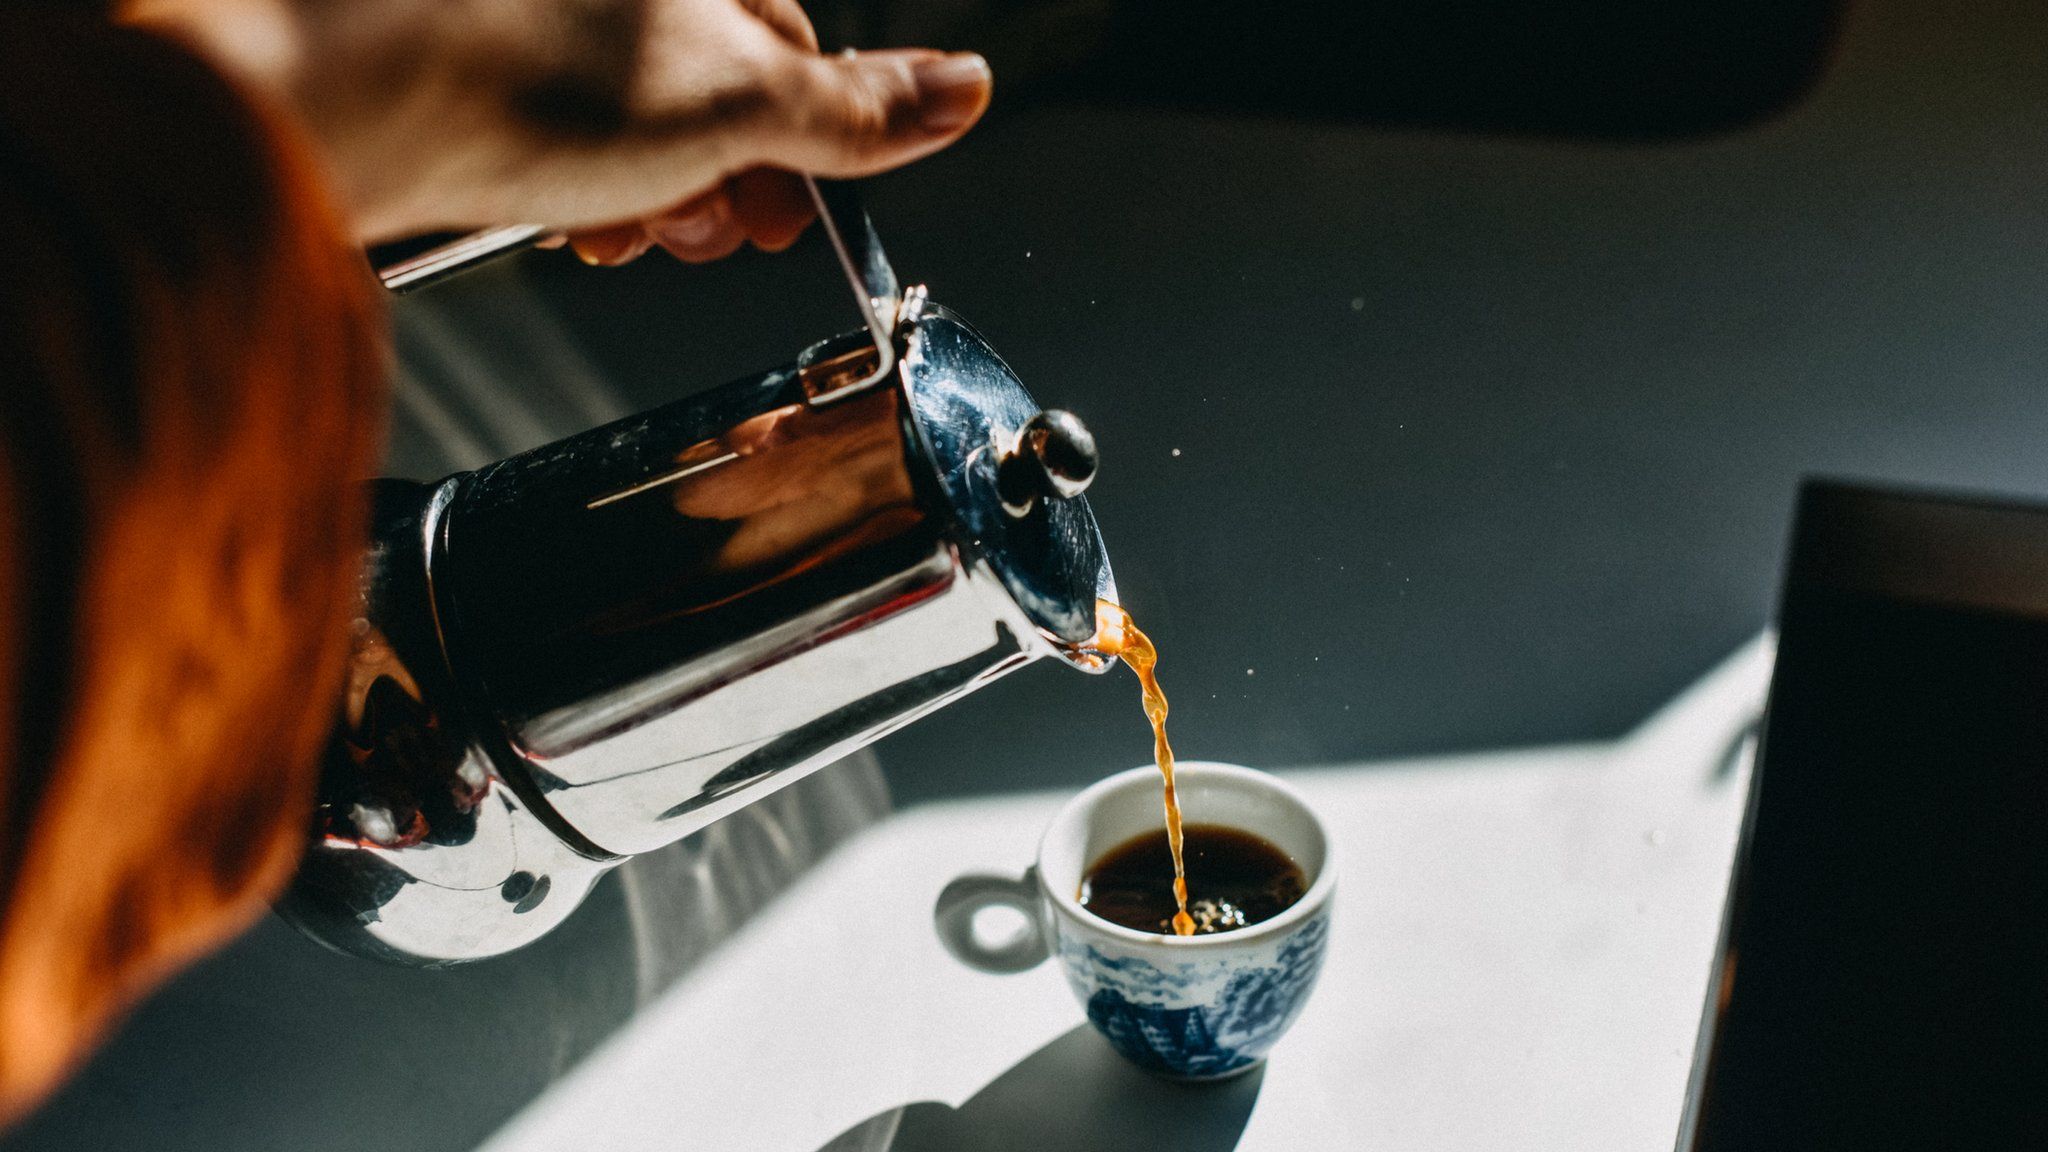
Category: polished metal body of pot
<point>595,648</point>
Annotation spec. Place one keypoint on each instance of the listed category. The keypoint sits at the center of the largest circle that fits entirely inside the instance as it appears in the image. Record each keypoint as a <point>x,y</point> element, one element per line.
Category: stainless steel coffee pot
<point>600,646</point>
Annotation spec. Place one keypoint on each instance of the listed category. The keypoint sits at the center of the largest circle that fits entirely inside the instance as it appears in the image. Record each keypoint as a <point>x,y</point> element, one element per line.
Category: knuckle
<point>757,81</point>
<point>875,105</point>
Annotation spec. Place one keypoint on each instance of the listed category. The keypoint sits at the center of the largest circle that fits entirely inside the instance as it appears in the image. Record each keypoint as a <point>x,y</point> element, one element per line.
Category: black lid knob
<point>1054,458</point>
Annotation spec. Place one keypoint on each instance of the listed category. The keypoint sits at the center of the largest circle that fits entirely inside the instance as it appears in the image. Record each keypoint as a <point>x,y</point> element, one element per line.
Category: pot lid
<point>1013,474</point>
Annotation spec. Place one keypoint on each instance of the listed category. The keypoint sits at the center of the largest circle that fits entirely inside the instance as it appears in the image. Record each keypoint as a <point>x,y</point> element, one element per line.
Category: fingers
<point>839,116</point>
<point>700,229</point>
<point>855,115</point>
<point>772,206</point>
<point>769,207</point>
<point>612,244</point>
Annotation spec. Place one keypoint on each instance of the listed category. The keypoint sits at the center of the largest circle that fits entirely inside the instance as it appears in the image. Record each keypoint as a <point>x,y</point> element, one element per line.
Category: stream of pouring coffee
<point>1116,634</point>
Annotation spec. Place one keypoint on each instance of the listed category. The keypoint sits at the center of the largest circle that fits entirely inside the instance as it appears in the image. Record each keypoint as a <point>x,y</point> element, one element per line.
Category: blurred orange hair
<point>189,386</point>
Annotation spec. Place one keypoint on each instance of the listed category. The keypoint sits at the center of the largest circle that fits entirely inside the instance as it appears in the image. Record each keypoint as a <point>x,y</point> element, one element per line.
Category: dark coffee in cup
<point>1244,880</point>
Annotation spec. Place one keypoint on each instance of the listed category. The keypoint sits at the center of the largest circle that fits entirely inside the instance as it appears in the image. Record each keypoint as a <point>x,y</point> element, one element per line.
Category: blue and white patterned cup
<point>1195,1007</point>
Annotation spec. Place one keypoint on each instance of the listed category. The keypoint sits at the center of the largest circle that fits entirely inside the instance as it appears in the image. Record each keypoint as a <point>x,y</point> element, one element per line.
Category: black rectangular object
<point>1883,981</point>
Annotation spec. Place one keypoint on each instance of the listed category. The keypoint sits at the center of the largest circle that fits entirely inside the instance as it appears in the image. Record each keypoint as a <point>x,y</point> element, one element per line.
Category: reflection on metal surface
<point>416,832</point>
<point>595,648</point>
<point>682,470</point>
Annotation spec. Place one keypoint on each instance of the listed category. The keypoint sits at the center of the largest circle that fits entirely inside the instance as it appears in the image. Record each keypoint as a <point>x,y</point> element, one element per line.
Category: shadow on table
<point>1076,1095</point>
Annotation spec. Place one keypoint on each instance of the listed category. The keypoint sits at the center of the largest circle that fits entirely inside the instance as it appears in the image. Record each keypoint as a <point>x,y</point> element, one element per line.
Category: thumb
<point>855,114</point>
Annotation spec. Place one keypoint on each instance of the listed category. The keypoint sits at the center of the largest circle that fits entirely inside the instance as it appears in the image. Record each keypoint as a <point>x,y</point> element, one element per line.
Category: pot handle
<point>868,272</point>
<point>840,211</point>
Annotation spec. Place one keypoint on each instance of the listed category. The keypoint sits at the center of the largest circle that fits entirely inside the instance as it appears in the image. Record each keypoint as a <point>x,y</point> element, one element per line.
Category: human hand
<point>625,123</point>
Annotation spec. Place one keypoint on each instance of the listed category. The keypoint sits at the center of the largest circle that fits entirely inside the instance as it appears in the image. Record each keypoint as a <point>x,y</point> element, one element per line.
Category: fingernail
<point>951,90</point>
<point>611,251</point>
<point>697,228</point>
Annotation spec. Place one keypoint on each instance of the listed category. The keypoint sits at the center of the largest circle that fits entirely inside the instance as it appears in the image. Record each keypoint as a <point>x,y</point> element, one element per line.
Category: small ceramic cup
<point>1194,1007</point>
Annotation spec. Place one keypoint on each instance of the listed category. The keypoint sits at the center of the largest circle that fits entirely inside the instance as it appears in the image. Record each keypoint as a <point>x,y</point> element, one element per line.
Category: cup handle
<point>953,916</point>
